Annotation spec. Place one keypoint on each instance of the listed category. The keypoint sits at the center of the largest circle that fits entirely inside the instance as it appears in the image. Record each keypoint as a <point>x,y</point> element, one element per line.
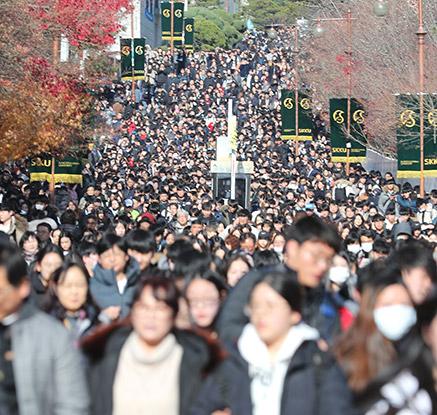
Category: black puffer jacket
<point>314,385</point>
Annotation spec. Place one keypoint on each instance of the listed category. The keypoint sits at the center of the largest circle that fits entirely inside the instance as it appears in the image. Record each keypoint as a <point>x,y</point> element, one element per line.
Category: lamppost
<point>299,27</point>
<point>381,9</point>
<point>296,87</point>
<point>319,31</point>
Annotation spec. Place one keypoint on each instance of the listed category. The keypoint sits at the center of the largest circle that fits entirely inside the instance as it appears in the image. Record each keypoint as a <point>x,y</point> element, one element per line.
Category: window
<point>149,9</point>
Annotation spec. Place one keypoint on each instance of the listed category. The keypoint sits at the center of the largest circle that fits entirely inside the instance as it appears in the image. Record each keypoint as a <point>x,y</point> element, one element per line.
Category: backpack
<point>340,194</point>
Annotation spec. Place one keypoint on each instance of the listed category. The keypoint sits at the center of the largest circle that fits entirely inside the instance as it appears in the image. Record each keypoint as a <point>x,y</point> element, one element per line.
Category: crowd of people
<point>140,293</point>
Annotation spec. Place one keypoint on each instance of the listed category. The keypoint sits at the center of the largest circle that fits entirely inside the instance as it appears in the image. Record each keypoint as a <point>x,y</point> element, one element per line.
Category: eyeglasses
<point>159,311</point>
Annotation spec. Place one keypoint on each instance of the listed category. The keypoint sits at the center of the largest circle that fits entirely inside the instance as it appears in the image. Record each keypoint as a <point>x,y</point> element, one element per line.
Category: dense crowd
<point>140,293</point>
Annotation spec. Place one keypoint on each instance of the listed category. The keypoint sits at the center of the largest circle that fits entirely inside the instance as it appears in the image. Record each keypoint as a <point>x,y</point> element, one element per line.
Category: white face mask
<point>39,206</point>
<point>367,246</point>
<point>338,275</point>
<point>394,321</point>
<point>354,248</point>
<point>278,250</point>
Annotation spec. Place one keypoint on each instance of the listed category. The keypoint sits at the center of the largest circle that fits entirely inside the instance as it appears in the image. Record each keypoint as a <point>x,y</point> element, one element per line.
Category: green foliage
<point>207,3</point>
<point>208,35</point>
<point>268,12</point>
<point>223,30</point>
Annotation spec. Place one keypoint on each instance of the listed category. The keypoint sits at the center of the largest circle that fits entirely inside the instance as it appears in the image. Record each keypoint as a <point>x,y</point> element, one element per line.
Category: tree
<point>272,12</point>
<point>208,35</point>
<point>384,61</point>
<point>229,26</point>
<point>42,105</point>
<point>84,22</point>
<point>36,117</point>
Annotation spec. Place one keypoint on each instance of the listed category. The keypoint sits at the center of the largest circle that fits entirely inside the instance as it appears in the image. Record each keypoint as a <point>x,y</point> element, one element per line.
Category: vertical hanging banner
<point>166,20</point>
<point>132,58</point>
<point>338,118</point>
<point>288,115</point>
<point>177,19</point>
<point>408,136</point>
<point>431,135</point>
<point>189,33</point>
<point>67,170</point>
<point>139,57</point>
<point>126,59</point>
<point>178,23</point>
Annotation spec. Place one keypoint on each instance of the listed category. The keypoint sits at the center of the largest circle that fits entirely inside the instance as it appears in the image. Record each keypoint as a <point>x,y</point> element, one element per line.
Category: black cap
<point>264,235</point>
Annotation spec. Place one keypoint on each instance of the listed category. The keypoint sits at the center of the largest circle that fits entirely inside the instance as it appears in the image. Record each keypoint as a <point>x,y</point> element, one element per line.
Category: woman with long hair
<point>29,245</point>
<point>47,261</point>
<point>205,294</point>
<point>69,300</point>
<point>382,351</point>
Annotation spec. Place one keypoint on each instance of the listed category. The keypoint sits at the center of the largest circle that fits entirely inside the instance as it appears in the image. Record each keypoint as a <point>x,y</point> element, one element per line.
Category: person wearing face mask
<point>352,243</point>
<point>338,309</point>
<point>382,354</point>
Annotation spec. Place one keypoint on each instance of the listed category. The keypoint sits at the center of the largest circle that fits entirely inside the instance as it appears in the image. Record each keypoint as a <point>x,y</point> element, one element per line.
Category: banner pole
<point>52,182</point>
<point>133,55</point>
<point>233,152</point>
<point>296,89</point>
<point>421,49</point>
<point>172,29</point>
<point>349,89</point>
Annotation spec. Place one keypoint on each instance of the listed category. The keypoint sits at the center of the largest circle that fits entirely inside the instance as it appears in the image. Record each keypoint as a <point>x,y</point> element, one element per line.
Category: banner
<point>126,59</point>
<point>132,70</point>
<point>166,20</point>
<point>408,136</point>
<point>178,21</point>
<point>139,58</point>
<point>68,170</point>
<point>288,115</point>
<point>357,139</point>
<point>189,33</point>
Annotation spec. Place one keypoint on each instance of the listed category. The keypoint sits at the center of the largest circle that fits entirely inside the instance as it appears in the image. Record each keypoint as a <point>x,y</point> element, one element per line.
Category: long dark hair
<point>219,283</point>
<point>52,305</point>
<point>363,352</point>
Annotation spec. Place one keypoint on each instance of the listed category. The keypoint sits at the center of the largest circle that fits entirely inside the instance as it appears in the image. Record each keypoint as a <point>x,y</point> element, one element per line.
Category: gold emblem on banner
<point>432,118</point>
<point>288,103</point>
<point>305,103</point>
<point>358,116</point>
<point>166,13</point>
<point>125,50</point>
<point>189,28</point>
<point>178,13</point>
<point>407,118</point>
<point>139,50</point>
<point>338,116</point>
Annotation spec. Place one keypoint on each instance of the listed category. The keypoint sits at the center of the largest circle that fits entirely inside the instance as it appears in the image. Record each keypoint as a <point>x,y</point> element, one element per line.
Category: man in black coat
<point>310,247</point>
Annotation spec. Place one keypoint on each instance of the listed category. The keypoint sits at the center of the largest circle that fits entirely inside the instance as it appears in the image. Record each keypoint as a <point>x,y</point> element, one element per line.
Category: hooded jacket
<point>104,288</point>
<point>303,380</point>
